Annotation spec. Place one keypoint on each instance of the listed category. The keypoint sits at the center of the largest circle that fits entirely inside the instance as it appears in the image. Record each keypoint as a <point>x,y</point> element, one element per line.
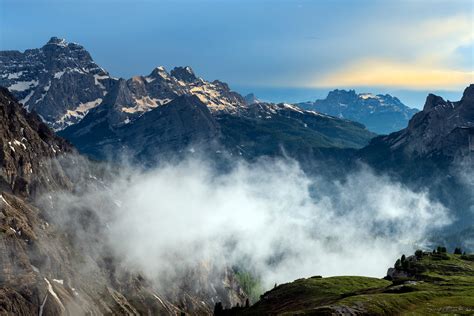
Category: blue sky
<point>289,50</point>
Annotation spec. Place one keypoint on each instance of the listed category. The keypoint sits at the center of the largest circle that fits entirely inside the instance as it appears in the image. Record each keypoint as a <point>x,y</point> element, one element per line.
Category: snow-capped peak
<point>57,41</point>
<point>185,74</point>
<point>366,96</point>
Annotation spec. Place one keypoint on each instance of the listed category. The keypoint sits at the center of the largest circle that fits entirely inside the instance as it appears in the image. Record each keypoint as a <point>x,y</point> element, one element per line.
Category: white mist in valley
<point>266,217</point>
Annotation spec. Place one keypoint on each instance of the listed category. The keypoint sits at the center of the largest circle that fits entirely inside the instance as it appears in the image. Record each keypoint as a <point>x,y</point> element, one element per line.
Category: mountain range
<point>167,114</point>
<point>381,113</point>
<point>61,82</point>
<point>102,115</point>
<point>163,114</point>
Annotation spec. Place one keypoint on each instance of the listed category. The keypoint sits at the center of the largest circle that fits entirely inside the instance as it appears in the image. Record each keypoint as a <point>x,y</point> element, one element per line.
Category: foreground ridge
<point>427,283</point>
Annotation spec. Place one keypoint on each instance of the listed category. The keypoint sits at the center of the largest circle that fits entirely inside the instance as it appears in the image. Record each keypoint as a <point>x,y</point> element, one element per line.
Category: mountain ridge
<point>381,113</point>
<point>442,130</point>
<point>61,82</point>
<point>70,89</point>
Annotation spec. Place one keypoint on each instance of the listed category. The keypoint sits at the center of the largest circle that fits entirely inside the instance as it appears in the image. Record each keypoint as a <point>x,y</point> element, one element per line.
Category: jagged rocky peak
<point>251,99</point>
<point>468,94</point>
<point>433,101</point>
<point>185,74</point>
<point>57,41</point>
<point>159,71</point>
<point>60,81</point>
<point>63,53</point>
<point>367,97</point>
<point>467,100</point>
<point>337,93</point>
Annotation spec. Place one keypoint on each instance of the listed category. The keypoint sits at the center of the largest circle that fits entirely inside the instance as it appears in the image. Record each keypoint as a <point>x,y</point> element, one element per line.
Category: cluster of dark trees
<point>219,310</point>
<point>441,249</point>
<point>402,263</point>
<point>439,253</point>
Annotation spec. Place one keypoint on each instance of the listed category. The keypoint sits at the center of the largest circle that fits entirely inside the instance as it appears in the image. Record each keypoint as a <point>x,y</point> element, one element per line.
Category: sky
<point>291,50</point>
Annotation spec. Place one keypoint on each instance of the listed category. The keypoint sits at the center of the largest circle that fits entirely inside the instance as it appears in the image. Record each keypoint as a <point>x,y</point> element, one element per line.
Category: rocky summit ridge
<point>62,83</point>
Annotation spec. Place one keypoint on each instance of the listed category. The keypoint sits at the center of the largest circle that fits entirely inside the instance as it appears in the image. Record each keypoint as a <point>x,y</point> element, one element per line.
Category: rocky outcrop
<point>380,113</point>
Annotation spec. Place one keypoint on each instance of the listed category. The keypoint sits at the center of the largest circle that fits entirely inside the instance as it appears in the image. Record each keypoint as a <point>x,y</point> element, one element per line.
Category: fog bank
<point>267,217</point>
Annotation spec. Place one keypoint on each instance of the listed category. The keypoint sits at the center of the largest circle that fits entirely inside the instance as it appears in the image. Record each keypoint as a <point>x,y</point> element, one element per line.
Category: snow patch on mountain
<point>74,116</point>
<point>23,85</point>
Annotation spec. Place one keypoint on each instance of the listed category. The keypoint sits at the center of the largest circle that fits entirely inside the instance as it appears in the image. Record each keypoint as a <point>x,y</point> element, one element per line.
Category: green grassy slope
<point>269,136</point>
<point>432,284</point>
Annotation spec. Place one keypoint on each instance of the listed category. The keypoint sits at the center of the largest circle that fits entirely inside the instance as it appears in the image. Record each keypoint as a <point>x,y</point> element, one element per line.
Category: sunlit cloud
<point>426,54</point>
<point>391,73</point>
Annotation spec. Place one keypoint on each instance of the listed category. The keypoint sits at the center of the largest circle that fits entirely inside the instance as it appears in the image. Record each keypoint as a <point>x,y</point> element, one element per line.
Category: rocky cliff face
<point>53,263</point>
<point>381,114</point>
<point>27,148</point>
<point>443,127</point>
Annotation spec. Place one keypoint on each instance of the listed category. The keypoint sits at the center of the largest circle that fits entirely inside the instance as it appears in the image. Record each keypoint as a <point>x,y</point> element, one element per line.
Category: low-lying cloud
<point>268,217</point>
